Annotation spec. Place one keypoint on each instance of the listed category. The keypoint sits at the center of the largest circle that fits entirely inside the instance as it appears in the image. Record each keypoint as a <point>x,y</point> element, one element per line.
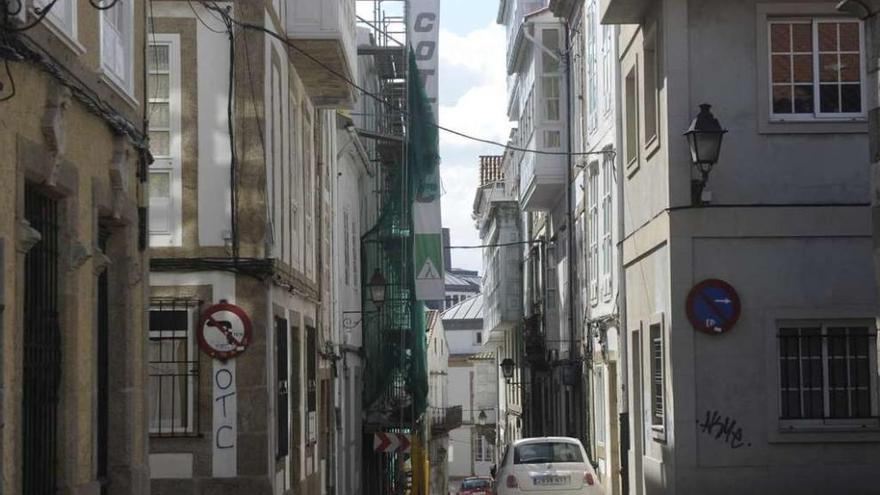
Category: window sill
<point>110,81</point>
<point>652,145</point>
<point>812,431</point>
<point>69,40</point>
<point>830,126</point>
<point>632,167</point>
<point>658,433</point>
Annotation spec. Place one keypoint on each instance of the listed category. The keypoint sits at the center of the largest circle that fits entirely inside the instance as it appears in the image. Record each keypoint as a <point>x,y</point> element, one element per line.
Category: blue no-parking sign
<point>713,306</point>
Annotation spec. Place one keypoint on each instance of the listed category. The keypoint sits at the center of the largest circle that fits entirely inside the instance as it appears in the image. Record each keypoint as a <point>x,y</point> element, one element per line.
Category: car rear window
<point>539,453</point>
<point>476,484</point>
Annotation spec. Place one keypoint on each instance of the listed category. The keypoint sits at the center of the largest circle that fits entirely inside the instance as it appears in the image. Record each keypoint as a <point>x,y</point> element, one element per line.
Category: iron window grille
<point>174,368</point>
<point>827,373</point>
<point>42,348</point>
<point>658,377</point>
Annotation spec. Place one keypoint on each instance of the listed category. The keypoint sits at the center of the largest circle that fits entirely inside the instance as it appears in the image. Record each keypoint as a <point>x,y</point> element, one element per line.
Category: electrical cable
<point>503,244</point>
<point>11,82</point>
<point>202,21</point>
<point>233,190</point>
<point>315,60</point>
<point>41,12</point>
<point>26,48</point>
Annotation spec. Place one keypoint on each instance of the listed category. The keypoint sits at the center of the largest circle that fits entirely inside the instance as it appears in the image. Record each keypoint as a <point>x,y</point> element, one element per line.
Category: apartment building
<point>776,389</point>
<point>241,213</point>
<point>72,248</point>
<point>593,82</point>
<point>498,220</point>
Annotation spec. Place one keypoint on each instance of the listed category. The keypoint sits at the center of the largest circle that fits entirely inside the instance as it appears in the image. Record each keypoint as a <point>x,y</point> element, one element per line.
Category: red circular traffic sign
<point>713,306</point>
<point>224,331</point>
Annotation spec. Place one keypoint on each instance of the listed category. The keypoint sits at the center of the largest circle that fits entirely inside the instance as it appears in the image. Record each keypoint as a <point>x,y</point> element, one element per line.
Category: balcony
<point>623,11</point>
<point>325,29</point>
<point>541,181</point>
<point>444,419</point>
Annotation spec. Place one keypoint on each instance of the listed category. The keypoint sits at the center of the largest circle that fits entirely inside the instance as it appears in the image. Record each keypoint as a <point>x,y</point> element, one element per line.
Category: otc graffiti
<point>225,417</point>
<point>724,429</point>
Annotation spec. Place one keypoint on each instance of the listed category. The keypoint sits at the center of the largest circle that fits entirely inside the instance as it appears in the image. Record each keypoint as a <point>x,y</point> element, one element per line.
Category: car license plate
<point>550,480</point>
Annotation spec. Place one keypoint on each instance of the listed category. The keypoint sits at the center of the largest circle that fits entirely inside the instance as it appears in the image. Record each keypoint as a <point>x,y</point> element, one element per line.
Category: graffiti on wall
<point>723,429</point>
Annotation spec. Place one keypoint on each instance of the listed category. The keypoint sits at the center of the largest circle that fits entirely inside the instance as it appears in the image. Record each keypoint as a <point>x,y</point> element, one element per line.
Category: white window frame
<point>607,220</point>
<point>818,115</point>
<point>826,423</point>
<point>172,164</point>
<point>192,389</point>
<point>656,335</point>
<point>593,179</point>
<point>123,83</point>
<point>608,67</point>
<point>62,23</point>
<point>592,67</point>
<point>600,417</point>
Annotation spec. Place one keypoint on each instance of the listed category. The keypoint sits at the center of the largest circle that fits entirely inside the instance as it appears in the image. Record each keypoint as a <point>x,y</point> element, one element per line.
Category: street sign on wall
<point>713,306</point>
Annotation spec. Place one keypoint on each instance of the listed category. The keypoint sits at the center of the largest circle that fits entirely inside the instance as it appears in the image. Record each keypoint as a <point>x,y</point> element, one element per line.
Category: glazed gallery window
<point>117,43</point>
<point>551,79</point>
<point>163,107</point>
<point>828,371</point>
<point>173,369</point>
<point>607,219</point>
<point>62,15</point>
<point>817,69</point>
<point>592,66</point>
<point>593,219</point>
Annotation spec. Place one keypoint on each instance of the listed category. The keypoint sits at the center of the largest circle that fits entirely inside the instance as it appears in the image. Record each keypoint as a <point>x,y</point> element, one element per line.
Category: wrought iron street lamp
<point>481,418</point>
<point>376,287</point>
<point>507,368</point>
<point>704,140</point>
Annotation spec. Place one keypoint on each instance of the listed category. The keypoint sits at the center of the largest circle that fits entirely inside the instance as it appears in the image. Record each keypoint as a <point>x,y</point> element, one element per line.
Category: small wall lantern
<point>507,368</point>
<point>704,140</point>
<point>377,289</point>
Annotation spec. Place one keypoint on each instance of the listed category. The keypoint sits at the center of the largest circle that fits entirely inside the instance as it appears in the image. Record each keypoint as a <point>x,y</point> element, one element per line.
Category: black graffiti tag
<point>724,429</point>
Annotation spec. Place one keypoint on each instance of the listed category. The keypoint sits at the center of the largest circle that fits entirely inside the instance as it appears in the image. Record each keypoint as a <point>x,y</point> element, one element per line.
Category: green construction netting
<point>395,345</point>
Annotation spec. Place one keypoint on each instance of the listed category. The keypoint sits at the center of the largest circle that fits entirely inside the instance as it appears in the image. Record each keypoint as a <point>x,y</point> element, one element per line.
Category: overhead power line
<point>342,77</point>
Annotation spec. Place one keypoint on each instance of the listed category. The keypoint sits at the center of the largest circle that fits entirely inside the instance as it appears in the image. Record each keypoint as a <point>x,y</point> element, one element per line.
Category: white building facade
<point>473,388</point>
<point>786,400</point>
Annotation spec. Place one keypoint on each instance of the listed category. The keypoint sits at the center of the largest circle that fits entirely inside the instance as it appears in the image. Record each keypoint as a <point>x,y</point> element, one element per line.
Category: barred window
<point>827,371</point>
<point>658,377</point>
<point>173,368</point>
<point>816,68</point>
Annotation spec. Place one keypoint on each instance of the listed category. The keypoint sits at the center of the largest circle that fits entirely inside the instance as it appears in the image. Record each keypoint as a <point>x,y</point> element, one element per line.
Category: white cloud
<point>472,83</point>
<point>480,110</point>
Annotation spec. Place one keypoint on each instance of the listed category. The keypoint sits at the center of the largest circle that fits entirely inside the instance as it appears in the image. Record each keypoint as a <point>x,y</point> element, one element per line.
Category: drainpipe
<point>573,352</point>
<point>622,328</point>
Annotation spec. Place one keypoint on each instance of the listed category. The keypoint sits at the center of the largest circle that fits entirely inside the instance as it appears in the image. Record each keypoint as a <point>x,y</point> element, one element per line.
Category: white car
<point>546,465</point>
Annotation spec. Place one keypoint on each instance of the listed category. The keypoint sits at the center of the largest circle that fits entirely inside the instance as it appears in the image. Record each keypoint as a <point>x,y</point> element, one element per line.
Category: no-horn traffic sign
<point>224,331</point>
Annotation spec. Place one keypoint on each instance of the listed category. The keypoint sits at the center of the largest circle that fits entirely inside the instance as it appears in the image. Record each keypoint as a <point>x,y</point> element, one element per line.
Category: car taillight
<point>511,481</point>
<point>588,479</point>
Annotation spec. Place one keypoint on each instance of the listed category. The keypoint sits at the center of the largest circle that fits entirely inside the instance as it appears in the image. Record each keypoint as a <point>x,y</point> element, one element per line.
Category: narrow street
<point>439,247</point>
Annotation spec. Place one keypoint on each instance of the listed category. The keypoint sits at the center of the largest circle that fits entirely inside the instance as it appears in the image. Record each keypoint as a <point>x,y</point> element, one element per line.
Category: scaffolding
<point>395,374</point>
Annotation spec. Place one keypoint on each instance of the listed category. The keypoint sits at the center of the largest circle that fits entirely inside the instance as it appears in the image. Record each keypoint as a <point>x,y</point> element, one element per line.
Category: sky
<point>473,100</point>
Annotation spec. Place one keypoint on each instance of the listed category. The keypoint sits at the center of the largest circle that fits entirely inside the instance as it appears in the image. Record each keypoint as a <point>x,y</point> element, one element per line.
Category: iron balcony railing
<point>445,419</point>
